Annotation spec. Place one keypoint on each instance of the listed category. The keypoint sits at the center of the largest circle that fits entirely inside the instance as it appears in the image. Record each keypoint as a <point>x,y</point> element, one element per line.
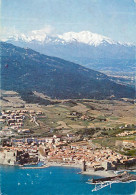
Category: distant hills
<point>26,70</point>
<point>86,48</point>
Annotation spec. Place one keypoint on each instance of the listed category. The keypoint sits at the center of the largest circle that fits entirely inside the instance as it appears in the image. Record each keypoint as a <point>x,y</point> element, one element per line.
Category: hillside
<point>26,70</point>
<point>89,49</point>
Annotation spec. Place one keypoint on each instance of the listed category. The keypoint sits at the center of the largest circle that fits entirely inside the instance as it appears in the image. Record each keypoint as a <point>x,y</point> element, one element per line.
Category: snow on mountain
<point>35,35</point>
<point>89,49</point>
<point>85,37</point>
<point>28,38</point>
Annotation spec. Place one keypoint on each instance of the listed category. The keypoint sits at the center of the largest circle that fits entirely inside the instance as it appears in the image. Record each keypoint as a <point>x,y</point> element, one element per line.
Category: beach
<point>88,172</point>
<point>99,173</point>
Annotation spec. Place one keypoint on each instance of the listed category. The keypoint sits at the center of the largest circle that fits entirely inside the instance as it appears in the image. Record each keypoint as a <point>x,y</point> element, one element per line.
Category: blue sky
<point>112,18</point>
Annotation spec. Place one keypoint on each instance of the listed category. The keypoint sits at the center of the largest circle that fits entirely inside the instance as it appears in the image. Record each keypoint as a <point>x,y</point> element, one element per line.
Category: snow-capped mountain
<point>86,48</point>
<point>86,37</point>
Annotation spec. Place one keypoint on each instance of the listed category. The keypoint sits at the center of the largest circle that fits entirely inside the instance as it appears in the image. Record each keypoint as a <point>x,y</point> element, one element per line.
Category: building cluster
<point>128,126</point>
<point>76,153</point>
<point>12,121</point>
<point>55,149</point>
<point>84,117</point>
<point>126,144</point>
<point>126,133</point>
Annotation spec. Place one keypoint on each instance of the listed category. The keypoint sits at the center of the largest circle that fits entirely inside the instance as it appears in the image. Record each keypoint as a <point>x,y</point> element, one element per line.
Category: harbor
<point>101,183</point>
<point>50,180</point>
<point>124,177</point>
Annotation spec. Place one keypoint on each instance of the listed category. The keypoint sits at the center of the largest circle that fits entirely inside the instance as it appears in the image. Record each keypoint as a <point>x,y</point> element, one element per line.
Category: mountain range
<point>86,48</point>
<point>25,70</point>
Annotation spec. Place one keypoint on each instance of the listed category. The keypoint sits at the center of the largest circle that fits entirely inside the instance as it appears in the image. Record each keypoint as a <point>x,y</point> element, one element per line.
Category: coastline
<point>41,167</point>
<point>88,172</point>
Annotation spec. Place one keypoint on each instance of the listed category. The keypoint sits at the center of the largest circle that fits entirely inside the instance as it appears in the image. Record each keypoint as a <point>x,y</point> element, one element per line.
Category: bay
<point>54,181</point>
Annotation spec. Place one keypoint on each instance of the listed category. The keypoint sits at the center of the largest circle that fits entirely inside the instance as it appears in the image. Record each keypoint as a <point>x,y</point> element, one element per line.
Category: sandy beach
<point>54,164</point>
<point>99,173</point>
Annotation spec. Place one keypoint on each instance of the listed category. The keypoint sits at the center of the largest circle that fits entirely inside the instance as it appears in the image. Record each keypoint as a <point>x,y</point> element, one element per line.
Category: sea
<point>54,181</point>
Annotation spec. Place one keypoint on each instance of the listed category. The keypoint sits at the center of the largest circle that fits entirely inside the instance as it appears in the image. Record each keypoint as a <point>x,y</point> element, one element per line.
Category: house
<point>129,143</point>
<point>57,138</point>
<point>24,131</point>
<point>11,121</point>
<point>32,112</point>
<point>70,135</point>
<point>39,113</point>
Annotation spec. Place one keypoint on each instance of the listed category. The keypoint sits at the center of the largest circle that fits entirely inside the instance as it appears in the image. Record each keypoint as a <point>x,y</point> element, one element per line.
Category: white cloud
<point>46,30</point>
<point>39,35</point>
<point>6,32</point>
<point>134,1</point>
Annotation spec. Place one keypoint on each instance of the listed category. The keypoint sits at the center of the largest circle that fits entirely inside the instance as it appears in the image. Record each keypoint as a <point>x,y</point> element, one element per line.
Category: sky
<point>112,18</point>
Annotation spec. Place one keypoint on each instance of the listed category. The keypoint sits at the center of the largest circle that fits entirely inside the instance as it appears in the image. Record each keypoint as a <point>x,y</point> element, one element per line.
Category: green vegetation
<point>28,124</point>
<point>129,152</point>
<point>106,142</point>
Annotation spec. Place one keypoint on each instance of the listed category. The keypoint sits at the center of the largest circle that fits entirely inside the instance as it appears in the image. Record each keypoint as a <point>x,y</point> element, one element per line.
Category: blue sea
<point>54,181</point>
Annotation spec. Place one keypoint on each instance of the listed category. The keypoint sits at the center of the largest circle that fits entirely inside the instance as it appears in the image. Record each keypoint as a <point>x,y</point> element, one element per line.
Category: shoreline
<point>88,172</point>
<point>99,173</point>
<point>41,167</point>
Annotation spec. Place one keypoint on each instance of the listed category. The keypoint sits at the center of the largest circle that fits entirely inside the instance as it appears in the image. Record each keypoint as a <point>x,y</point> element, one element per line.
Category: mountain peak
<point>86,37</point>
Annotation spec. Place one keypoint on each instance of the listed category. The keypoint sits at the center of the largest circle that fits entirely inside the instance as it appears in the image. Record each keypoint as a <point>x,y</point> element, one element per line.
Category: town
<point>20,146</point>
<point>60,150</point>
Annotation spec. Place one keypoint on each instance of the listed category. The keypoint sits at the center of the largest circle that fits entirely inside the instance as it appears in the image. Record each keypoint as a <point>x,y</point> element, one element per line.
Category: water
<point>53,181</point>
<point>35,165</point>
